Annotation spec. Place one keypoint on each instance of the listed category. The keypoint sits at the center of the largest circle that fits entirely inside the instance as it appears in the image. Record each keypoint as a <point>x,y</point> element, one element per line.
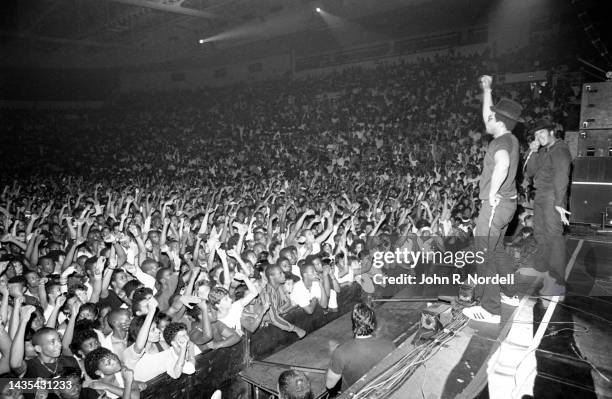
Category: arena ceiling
<point>133,33</point>
<point>157,30</point>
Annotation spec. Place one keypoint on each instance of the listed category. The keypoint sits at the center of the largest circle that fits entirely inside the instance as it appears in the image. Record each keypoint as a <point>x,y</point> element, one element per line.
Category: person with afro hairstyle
<point>109,376</point>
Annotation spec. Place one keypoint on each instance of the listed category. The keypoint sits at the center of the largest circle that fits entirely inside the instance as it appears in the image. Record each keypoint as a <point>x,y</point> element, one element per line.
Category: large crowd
<point>137,236</point>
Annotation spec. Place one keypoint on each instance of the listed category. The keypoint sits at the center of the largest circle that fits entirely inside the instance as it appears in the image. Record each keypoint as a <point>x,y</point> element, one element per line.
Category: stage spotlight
<point>318,10</point>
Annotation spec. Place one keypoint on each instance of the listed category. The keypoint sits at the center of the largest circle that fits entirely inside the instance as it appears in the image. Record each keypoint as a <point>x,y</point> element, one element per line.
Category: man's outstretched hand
<point>562,213</point>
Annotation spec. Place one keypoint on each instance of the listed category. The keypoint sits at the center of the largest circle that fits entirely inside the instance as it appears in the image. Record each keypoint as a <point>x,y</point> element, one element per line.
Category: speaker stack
<point>591,189</point>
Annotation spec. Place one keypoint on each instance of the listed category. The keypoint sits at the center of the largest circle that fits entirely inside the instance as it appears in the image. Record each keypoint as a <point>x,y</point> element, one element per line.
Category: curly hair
<point>79,337</point>
<point>215,296</point>
<point>364,320</point>
<point>171,330</point>
<point>93,359</point>
<point>92,307</point>
<point>140,294</point>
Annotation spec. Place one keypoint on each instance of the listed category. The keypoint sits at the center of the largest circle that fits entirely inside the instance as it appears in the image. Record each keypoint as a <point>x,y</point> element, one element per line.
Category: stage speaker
<point>596,105</point>
<point>591,189</point>
<point>591,143</point>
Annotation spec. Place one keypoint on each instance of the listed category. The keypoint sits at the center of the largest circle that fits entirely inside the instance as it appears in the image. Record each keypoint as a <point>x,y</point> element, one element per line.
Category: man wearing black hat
<point>548,163</point>
<point>498,203</point>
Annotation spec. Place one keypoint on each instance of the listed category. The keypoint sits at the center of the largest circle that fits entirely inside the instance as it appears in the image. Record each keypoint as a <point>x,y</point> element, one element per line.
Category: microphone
<point>527,160</point>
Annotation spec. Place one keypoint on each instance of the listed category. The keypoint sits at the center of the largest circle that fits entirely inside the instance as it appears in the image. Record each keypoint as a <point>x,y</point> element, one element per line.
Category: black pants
<point>497,261</point>
<point>548,232</point>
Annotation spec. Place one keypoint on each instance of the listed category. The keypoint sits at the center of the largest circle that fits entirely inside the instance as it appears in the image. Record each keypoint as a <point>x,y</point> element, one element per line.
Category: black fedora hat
<point>509,109</point>
<point>543,123</point>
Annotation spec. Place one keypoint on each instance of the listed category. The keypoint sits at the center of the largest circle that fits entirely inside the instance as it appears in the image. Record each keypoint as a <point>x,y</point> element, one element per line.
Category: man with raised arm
<point>49,361</point>
<point>498,196</point>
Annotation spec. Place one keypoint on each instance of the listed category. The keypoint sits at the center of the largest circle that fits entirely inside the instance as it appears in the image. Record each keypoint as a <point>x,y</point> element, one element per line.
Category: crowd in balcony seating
<point>137,236</point>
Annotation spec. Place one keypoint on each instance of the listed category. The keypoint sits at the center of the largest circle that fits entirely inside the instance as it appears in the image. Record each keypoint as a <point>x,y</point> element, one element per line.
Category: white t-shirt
<point>302,295</point>
<point>120,384</point>
<point>115,345</point>
<point>349,277</point>
<point>131,253</point>
<point>147,366</point>
<point>232,319</point>
<point>333,300</point>
<point>146,279</point>
<point>61,317</point>
<point>316,247</point>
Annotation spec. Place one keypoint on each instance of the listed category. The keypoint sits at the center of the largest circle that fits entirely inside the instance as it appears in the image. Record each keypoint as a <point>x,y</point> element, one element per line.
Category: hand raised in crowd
<point>26,312</point>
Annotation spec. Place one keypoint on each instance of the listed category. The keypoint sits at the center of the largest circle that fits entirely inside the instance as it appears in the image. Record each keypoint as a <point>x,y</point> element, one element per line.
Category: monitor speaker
<point>591,189</point>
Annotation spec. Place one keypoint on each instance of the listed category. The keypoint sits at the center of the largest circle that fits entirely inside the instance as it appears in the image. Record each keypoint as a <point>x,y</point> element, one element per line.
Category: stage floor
<point>396,321</point>
<point>573,357</point>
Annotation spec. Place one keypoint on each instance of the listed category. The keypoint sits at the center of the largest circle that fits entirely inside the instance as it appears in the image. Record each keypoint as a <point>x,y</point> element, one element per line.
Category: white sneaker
<point>530,271</point>
<point>510,301</point>
<point>478,313</point>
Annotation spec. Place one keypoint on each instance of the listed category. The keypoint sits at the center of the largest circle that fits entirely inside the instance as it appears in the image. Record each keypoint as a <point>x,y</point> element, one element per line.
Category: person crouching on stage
<point>548,163</point>
<point>351,360</point>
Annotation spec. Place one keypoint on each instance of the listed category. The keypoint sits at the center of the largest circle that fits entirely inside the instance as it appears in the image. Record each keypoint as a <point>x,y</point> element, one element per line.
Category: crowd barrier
<point>218,369</point>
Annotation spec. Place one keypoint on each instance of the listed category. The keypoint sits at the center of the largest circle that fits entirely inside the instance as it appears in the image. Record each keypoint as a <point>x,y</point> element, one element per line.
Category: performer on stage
<point>498,197</point>
<point>548,163</point>
<point>351,360</point>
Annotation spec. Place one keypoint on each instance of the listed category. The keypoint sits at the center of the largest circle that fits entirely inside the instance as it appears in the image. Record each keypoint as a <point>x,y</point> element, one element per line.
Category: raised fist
<point>26,312</point>
<point>182,341</point>
<point>127,374</point>
<point>75,307</point>
<point>485,82</point>
<point>152,304</point>
<point>60,301</point>
<point>69,270</point>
